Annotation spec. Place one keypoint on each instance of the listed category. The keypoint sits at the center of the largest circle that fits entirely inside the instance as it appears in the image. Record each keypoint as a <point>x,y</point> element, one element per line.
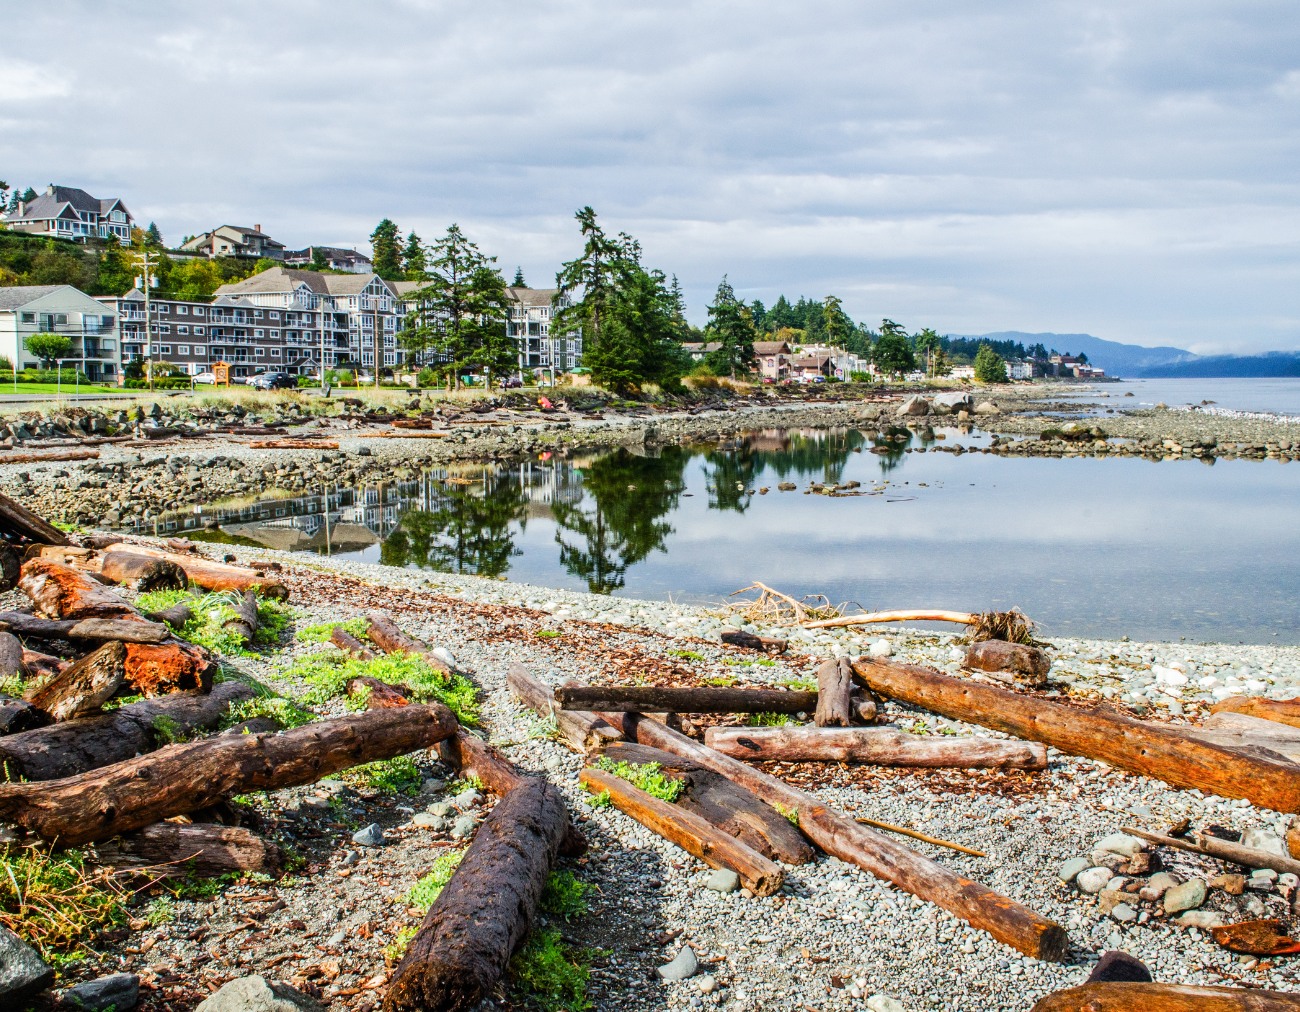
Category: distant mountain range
<point>1132,360</point>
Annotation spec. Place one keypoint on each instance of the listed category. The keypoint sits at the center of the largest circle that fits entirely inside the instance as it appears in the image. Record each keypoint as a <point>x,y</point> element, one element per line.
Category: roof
<point>287,279</point>
<point>405,288</point>
<point>771,348</point>
<point>810,361</point>
<point>328,252</point>
<point>19,295</point>
<point>50,203</point>
<point>704,348</point>
<point>529,297</point>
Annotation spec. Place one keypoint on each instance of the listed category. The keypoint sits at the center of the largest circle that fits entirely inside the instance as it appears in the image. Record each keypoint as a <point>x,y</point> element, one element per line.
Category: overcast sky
<point>1128,170</point>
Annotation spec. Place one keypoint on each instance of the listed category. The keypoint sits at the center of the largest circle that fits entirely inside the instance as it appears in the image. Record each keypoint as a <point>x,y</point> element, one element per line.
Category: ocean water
<point>1265,396</point>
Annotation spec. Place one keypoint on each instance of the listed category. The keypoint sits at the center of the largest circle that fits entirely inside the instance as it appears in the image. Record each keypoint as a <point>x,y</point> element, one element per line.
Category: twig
<point>921,836</point>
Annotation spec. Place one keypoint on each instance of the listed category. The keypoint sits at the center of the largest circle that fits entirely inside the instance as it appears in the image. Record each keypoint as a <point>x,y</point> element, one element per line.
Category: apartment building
<point>59,309</point>
<point>236,241</point>
<point>66,212</point>
<point>529,326</point>
<point>177,334</point>
<point>346,314</point>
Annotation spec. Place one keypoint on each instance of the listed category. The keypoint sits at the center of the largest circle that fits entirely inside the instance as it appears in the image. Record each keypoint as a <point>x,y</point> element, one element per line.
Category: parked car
<point>205,377</point>
<point>511,383</point>
<point>273,381</point>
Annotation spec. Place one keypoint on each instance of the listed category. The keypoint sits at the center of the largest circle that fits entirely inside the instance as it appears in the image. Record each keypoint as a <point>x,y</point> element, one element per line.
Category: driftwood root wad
<point>1019,661</point>
<point>155,670</point>
<point>485,911</point>
<point>188,777</point>
<point>61,592</point>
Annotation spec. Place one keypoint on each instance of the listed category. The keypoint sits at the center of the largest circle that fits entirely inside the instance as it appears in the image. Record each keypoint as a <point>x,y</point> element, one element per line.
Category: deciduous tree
<point>48,347</point>
<point>892,352</point>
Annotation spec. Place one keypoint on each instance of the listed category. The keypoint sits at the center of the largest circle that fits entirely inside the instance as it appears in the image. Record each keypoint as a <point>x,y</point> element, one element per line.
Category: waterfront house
<point>65,212</point>
<point>334,258</point>
<point>773,359</point>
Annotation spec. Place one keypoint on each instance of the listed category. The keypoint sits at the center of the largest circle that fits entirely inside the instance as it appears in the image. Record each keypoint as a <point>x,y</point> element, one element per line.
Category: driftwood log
<point>126,630</point>
<point>1242,731</point>
<point>157,669</point>
<point>209,574</point>
<point>61,592</point>
<point>47,456</point>
<point>18,715</point>
<point>1284,711</point>
<point>667,699</point>
<point>349,644</point>
<point>581,730</point>
<point>176,616</point>
<point>687,830</point>
<point>378,695</point>
<point>747,640</point>
<point>10,566</point>
<point>834,694</point>
<point>726,805</point>
<point>1002,917</point>
<point>1152,750</point>
<point>84,686</point>
<point>17,522</point>
<point>1010,660</point>
<point>39,665</point>
<point>881,746</point>
<point>169,849</point>
<point>385,634</point>
<point>184,778</point>
<point>1224,850</point>
<point>488,907</point>
<point>243,623</point>
<point>142,573</point>
<point>1125,997</point>
<point>75,746</point>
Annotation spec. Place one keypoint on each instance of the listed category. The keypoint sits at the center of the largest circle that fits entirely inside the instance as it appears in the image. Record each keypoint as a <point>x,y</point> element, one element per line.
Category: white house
<point>66,212</point>
<point>59,309</point>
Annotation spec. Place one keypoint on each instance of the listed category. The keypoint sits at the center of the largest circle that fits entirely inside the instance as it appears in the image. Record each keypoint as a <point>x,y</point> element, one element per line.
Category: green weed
<point>206,626</point>
<point>464,784</point>
<point>161,911</point>
<point>13,686</point>
<point>601,800</point>
<point>548,634</point>
<point>768,719</point>
<point>167,731</point>
<point>321,633</point>
<point>286,711</point>
<point>550,975</point>
<point>398,775</point>
<point>791,814</point>
<point>721,681</point>
<point>425,891</point>
<point>799,684</point>
<point>646,776</point>
<point>326,674</point>
<point>686,655</point>
<point>396,949</point>
<point>565,895</point>
<point>54,903</point>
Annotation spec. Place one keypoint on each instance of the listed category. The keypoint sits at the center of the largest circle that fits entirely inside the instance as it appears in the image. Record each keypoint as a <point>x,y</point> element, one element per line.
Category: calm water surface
<point>1086,547</point>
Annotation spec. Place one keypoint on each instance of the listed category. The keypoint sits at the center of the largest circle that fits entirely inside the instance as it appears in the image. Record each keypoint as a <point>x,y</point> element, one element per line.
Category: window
<point>29,317</point>
<point>164,349</point>
<point>275,333</point>
<point>199,310</point>
<point>182,310</point>
<point>182,329</point>
<point>198,330</point>
<point>260,353</point>
<point>273,315</point>
<point>257,314</point>
<point>275,352</point>
<point>160,307</point>
<point>182,349</point>
<point>259,333</point>
<point>165,328</point>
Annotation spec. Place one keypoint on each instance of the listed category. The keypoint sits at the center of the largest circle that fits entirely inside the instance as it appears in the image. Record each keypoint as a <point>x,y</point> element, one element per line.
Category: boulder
<point>914,406</point>
<point>955,400</point>
<point>118,992</point>
<point>257,994</point>
<point>987,408</point>
<point>1188,896</point>
<point>23,974</point>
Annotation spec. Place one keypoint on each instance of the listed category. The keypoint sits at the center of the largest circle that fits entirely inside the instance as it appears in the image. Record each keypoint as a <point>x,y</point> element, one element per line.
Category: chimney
<point>257,228</point>
<point>22,208</point>
<point>49,189</point>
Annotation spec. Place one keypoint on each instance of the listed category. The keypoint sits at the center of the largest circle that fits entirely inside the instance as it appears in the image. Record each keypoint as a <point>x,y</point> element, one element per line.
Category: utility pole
<point>147,279</point>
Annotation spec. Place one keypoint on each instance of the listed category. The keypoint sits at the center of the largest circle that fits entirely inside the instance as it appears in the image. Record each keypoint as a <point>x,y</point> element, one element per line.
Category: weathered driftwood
<point>1224,850</point>
<point>379,695</point>
<point>294,444</point>
<point>84,686</point>
<point>123,630</point>
<point>176,616</point>
<point>11,655</point>
<point>834,694</point>
<point>863,706</point>
<point>747,640</point>
<point>75,746</point>
<point>349,644</point>
<point>25,624</point>
<point>157,669</point>
<point>1242,731</point>
<point>485,911</point>
<point>882,746</point>
<point>142,572</point>
<point>212,575</point>
<point>1152,750</point>
<point>173,850</point>
<point>838,835</point>
<point>580,730</point>
<point>10,566</point>
<point>923,837</point>
<point>39,665</point>
<point>1125,997</point>
<point>1009,660</point>
<point>17,522</point>
<point>726,805</point>
<point>1283,711</point>
<point>243,622</point>
<point>693,834</point>
<point>900,615</point>
<point>61,592</point>
<point>386,635</point>
<point>187,777</point>
<point>47,456</point>
<point>669,699</point>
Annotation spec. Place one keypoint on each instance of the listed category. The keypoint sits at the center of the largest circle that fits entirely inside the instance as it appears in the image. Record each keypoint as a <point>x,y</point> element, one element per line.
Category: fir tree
<point>413,258</point>
<point>731,326</point>
<point>152,236</point>
<point>518,282</point>
<point>385,252</point>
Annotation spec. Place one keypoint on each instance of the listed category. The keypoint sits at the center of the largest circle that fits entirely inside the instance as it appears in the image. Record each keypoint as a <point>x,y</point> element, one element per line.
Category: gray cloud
<point>1122,169</point>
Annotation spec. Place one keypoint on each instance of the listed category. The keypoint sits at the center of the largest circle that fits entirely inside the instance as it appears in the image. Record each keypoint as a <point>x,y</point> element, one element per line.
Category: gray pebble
<point>371,836</point>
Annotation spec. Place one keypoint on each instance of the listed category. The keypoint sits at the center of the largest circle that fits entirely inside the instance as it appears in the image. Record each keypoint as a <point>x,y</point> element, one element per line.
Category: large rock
<point>683,966</point>
<point>1188,896</point>
<point>118,992</point>
<point>955,400</point>
<point>987,408</point>
<point>23,974</point>
<point>257,994</point>
<point>1028,664</point>
<point>914,406</point>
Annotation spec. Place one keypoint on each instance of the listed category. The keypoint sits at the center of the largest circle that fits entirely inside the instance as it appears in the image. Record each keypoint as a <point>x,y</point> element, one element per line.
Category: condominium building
<point>26,310</point>
<point>66,212</point>
<point>529,325</point>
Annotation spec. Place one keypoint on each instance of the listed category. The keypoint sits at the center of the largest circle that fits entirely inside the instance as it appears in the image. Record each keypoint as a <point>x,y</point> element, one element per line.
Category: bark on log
<point>668,699</point>
<point>1024,663</point>
<point>1284,711</point>
<point>75,746</point>
<point>156,670</point>
<point>687,830</point>
<point>18,522</point>
<point>1240,731</point>
<point>1002,917</point>
<point>717,800</point>
<point>349,644</point>
<point>39,665</point>
<point>11,655</point>
<point>142,573</point>
<point>1224,850</point>
<point>881,746</point>
<point>834,694</point>
<point>1124,997</point>
<point>19,715</point>
<point>386,635</point>
<point>176,616</point>
<point>61,592</point>
<point>169,849</point>
<point>47,456</point>
<point>487,908</point>
<point>84,686</point>
<point>22,623</point>
<point>243,623</point>
<point>1152,750</point>
<point>864,707</point>
<point>10,567</point>
<point>747,640</point>
<point>122,630</point>
<point>294,444</point>
<point>193,775</point>
<point>212,575</point>
<point>379,695</point>
<point>580,730</point>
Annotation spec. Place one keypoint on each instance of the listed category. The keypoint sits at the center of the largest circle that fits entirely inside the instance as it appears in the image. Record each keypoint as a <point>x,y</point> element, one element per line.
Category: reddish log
<point>168,667</point>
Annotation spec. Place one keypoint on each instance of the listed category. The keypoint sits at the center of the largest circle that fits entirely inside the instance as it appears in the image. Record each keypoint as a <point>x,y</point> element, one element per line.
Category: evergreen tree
<point>518,282</point>
<point>413,258</point>
<point>731,326</point>
<point>928,344</point>
<point>468,530</point>
<point>836,325</point>
<point>28,195</point>
<point>780,315</point>
<point>463,310</point>
<point>892,352</point>
<point>318,259</point>
<point>152,236</point>
<point>989,366</point>
<point>385,251</point>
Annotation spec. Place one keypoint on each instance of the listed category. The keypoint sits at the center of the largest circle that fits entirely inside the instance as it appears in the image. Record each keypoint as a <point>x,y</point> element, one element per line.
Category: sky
<point>1125,170</point>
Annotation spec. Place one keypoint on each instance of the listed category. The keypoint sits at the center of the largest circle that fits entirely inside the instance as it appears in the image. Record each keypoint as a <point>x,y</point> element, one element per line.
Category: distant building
<point>59,309</point>
<point>236,241</point>
<point>1023,368</point>
<point>773,359</point>
<point>808,368</point>
<point>335,259</point>
<point>699,350</point>
<point>66,212</point>
<point>177,335</point>
<point>961,372</point>
<point>529,326</point>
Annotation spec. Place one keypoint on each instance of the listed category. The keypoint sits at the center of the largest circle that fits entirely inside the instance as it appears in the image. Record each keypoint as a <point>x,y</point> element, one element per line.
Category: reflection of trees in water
<point>892,443</point>
<point>821,454</point>
<point>619,520</point>
<point>467,531</point>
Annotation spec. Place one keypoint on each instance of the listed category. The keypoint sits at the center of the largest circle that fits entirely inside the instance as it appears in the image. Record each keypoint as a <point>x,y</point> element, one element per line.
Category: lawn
<point>54,389</point>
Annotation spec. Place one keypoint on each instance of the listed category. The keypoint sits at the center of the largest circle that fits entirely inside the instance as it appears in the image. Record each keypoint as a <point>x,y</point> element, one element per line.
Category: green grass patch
<point>396,949</point>
<point>601,800</point>
<point>55,903</point>
<point>646,776</point>
<point>799,684</point>
<point>425,891</point>
<point>551,975</point>
<point>547,634</point>
<point>721,681</point>
<point>768,720</point>
<point>206,628</point>
<point>565,895</point>
<point>398,775</point>
<point>320,633</point>
<point>747,662</point>
<point>686,655</point>
<point>13,685</point>
<point>286,711</point>
<point>326,675</point>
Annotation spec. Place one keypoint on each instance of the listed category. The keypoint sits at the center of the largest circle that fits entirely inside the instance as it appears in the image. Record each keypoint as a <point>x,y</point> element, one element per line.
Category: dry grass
<point>55,903</point>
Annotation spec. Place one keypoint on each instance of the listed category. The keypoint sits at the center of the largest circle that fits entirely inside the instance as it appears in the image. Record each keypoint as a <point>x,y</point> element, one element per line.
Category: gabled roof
<point>19,295</point>
<point>287,279</point>
<point>532,296</point>
<point>56,200</point>
<point>771,348</point>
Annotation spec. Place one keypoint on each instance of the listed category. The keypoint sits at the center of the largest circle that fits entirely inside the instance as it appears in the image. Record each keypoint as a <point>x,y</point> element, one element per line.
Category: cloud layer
<point>1127,172</point>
